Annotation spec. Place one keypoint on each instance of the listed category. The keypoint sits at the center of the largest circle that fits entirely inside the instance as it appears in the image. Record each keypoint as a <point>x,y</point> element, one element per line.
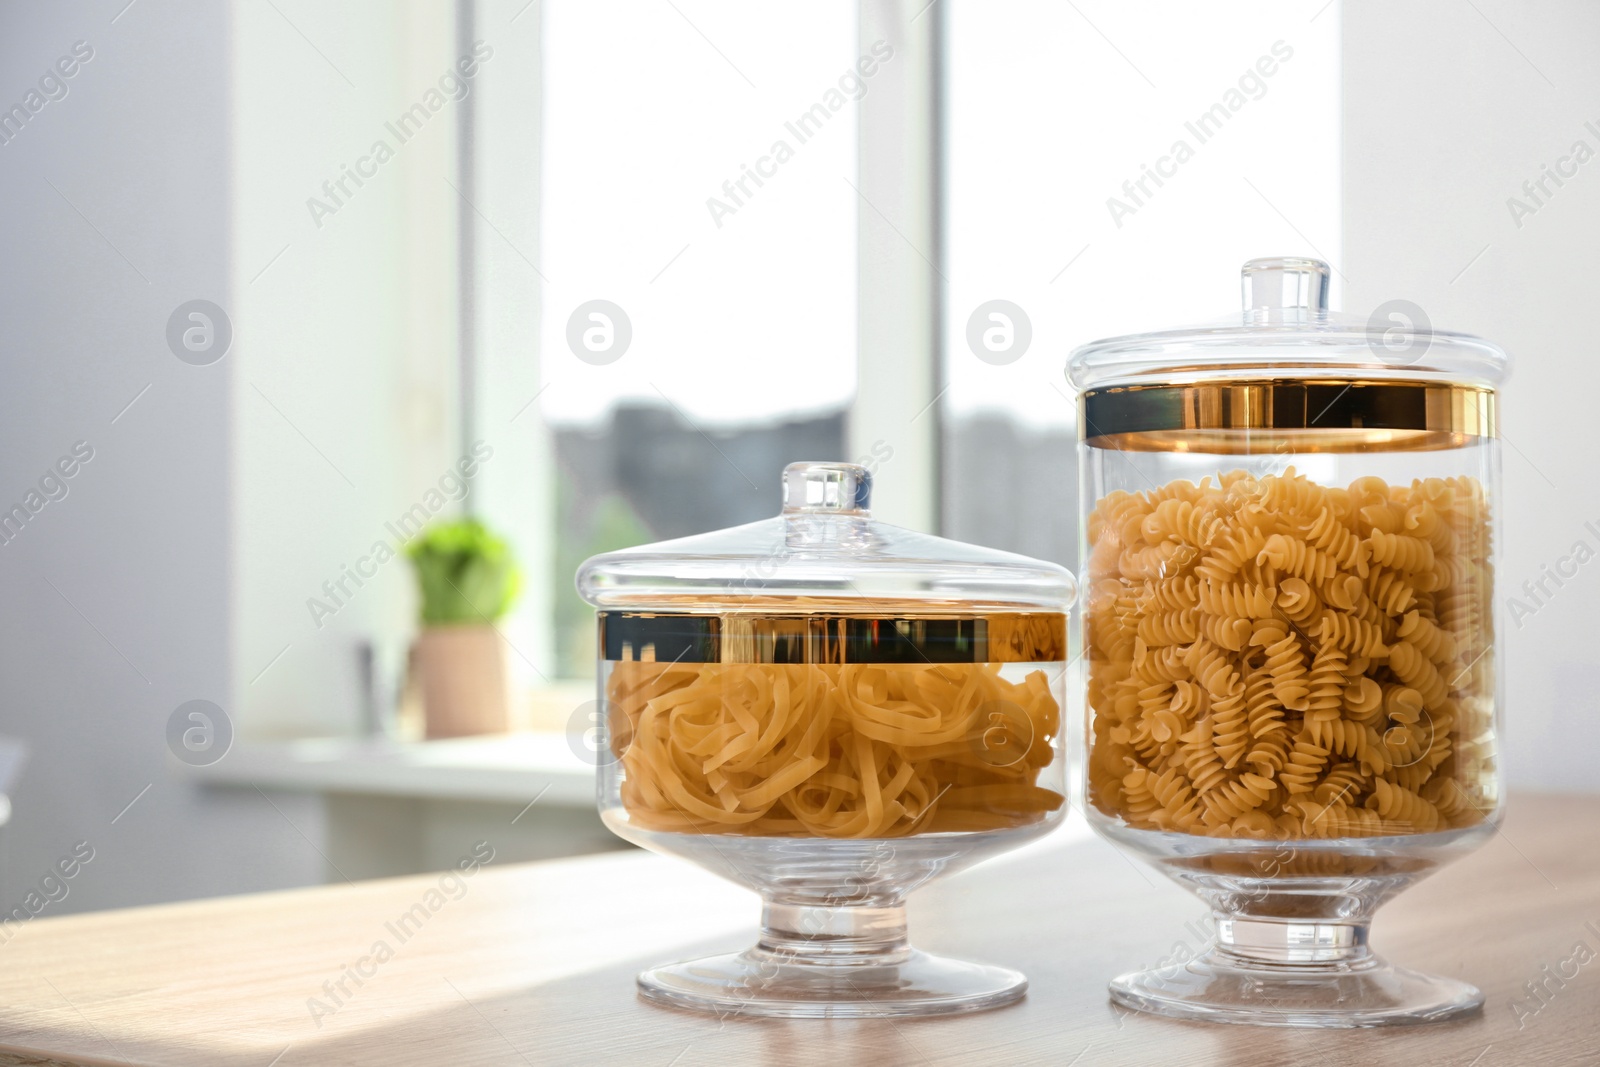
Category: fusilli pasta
<point>1274,658</point>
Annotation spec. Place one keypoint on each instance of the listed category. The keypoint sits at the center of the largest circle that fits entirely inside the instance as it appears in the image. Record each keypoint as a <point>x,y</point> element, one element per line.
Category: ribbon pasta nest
<point>831,750</point>
<point>1274,658</point>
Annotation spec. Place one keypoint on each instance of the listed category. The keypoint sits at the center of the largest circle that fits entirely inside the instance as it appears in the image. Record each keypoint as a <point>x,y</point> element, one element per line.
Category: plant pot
<point>462,672</point>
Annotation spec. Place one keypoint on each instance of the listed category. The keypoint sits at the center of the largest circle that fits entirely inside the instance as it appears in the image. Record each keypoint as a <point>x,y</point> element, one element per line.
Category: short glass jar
<point>831,711</point>
<point>1292,694</point>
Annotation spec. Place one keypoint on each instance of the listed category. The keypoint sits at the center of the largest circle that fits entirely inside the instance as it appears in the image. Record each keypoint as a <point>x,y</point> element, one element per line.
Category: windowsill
<point>511,768</point>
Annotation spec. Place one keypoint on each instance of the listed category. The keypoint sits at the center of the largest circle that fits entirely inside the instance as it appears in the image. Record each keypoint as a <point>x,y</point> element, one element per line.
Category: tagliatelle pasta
<point>831,750</point>
<point>1274,658</point>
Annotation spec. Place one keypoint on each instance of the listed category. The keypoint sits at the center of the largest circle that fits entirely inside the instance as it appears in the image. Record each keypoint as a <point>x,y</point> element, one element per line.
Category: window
<point>1071,200</point>
<point>628,259</point>
<point>698,251</point>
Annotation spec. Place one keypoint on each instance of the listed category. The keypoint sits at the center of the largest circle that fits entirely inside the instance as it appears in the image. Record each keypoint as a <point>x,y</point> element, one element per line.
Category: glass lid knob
<point>836,488</point>
<point>1285,289</point>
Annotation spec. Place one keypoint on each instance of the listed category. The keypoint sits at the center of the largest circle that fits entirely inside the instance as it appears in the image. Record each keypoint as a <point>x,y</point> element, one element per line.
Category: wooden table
<point>534,964</point>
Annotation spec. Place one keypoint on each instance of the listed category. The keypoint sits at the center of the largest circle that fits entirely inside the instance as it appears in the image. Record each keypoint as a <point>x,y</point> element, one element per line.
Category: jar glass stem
<point>833,935</point>
<point>1291,941</point>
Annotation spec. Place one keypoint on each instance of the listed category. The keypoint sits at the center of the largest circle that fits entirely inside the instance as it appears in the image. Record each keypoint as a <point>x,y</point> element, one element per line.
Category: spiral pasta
<point>836,750</point>
<point>1242,601</point>
<point>1402,552</point>
<point>1286,659</point>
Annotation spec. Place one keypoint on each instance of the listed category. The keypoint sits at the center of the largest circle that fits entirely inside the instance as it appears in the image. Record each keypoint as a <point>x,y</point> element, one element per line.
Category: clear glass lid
<point>823,551</point>
<point>1286,330</point>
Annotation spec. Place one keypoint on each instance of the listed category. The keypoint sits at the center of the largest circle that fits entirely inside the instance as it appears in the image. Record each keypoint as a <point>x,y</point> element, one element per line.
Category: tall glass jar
<point>1292,693</point>
<point>830,711</point>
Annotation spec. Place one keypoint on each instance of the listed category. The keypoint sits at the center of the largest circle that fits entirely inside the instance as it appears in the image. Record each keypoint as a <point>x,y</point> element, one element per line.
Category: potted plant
<point>467,579</point>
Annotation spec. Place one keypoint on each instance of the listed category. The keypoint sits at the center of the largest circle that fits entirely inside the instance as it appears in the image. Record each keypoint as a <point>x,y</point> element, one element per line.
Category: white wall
<point>219,502</point>
<point>222,499</point>
<point>118,596</point>
<point>1448,109</point>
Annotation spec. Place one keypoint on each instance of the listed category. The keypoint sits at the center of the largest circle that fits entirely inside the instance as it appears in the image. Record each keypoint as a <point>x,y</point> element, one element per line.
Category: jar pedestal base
<point>1313,975</point>
<point>832,962</point>
<point>746,984</point>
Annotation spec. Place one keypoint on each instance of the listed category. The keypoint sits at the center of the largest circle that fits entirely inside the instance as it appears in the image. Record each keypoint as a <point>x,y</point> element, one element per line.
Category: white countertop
<point>513,768</point>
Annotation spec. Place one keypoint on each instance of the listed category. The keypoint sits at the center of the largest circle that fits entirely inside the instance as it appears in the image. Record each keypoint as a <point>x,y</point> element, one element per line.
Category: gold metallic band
<point>1303,415</point>
<point>1021,637</point>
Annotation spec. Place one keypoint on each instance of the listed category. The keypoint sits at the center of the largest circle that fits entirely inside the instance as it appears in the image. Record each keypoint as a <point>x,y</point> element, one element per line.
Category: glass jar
<point>830,711</point>
<point>1291,696</point>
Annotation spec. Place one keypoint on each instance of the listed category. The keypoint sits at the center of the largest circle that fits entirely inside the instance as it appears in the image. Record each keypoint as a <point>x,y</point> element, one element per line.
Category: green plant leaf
<point>465,573</point>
